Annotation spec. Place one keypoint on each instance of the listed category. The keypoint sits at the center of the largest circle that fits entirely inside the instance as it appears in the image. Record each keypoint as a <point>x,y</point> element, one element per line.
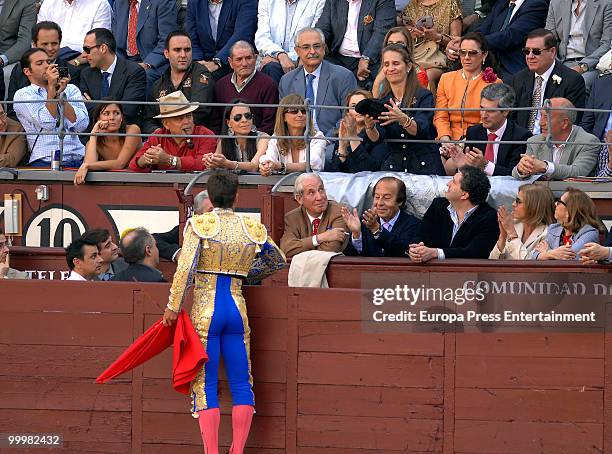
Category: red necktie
<point>489,154</point>
<point>132,48</point>
<point>315,226</point>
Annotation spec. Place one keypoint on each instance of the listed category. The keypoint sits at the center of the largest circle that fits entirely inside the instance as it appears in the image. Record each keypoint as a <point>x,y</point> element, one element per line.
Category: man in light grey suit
<point>576,156</point>
<point>320,81</point>
<point>584,31</point>
<point>17,17</point>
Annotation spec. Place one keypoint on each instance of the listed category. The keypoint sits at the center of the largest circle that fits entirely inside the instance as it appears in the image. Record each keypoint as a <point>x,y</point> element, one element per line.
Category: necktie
<point>132,48</point>
<point>508,15</point>
<point>106,277</point>
<point>105,86</point>
<point>315,226</point>
<point>489,154</point>
<point>535,102</point>
<point>310,88</point>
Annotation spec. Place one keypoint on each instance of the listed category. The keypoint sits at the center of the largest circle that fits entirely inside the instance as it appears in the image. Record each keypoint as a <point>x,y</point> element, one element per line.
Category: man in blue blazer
<point>329,84</point>
<point>600,123</point>
<point>156,18</point>
<point>233,20</point>
<point>386,230</point>
<point>505,29</point>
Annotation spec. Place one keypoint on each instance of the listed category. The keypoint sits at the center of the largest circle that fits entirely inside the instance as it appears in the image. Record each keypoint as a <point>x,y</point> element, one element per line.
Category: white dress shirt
<point>76,18</point>
<point>557,153</point>
<point>350,45</point>
<point>545,76</point>
<point>317,153</point>
<point>74,276</point>
<point>490,167</point>
<point>111,71</point>
<point>311,219</point>
<point>517,5</point>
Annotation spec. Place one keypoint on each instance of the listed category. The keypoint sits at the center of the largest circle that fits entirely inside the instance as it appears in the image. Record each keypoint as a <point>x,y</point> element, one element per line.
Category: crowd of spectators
<point>368,68</point>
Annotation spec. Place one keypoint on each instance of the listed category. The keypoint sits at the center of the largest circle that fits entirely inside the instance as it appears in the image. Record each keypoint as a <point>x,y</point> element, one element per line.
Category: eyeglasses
<point>535,51</point>
<point>295,111</point>
<point>88,49</point>
<point>559,201</point>
<point>399,43</point>
<point>518,201</point>
<point>247,116</point>
<point>469,52</point>
<point>316,47</point>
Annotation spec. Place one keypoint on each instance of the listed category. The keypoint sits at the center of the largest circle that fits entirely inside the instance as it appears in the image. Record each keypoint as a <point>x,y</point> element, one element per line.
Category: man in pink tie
<point>317,223</point>
<point>499,157</point>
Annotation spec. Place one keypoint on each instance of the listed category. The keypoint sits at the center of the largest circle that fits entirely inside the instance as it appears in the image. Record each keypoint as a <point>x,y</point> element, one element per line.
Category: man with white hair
<point>317,224</point>
<point>571,158</point>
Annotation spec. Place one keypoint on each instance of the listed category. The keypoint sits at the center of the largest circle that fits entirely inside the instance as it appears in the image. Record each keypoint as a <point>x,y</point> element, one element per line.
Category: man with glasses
<point>179,153</point>
<point>321,82</point>
<point>111,77</point>
<point>41,114</point>
<point>192,78</point>
<point>574,155</point>
<point>545,77</point>
<point>244,82</point>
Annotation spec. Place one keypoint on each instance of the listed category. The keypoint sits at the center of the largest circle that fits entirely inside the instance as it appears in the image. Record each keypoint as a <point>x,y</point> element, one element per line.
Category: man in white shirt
<point>83,259</point>
<point>76,18</point>
<point>570,158</point>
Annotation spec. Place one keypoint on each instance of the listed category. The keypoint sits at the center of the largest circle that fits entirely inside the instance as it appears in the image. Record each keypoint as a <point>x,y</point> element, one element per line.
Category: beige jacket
<point>516,249</point>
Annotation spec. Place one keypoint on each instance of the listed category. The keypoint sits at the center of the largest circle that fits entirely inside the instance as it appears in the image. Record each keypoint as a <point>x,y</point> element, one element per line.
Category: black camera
<point>63,72</point>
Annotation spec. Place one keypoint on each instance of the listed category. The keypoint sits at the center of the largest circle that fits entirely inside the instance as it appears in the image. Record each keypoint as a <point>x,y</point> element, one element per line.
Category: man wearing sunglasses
<point>544,78</point>
<point>109,76</point>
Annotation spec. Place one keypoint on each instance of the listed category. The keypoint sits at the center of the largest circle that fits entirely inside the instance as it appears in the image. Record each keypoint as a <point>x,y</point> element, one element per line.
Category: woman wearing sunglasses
<point>112,152</point>
<point>523,229</point>
<point>577,224</point>
<point>461,89</point>
<point>242,152</point>
<point>287,154</point>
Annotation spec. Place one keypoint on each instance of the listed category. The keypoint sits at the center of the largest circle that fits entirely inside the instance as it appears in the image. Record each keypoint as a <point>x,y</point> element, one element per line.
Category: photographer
<point>43,117</point>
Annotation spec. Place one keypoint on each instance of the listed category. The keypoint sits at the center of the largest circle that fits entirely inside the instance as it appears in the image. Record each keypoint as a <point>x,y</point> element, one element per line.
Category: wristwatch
<point>584,67</point>
<point>174,161</point>
<point>217,62</point>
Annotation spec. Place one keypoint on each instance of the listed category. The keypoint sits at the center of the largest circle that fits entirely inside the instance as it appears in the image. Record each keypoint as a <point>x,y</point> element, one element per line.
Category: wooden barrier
<point>323,385</point>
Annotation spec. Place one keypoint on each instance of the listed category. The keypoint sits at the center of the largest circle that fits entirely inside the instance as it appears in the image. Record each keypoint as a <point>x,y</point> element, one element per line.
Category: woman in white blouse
<point>523,229</point>
<point>289,155</point>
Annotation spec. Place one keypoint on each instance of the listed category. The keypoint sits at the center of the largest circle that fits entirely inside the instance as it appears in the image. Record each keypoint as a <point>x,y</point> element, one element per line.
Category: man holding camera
<point>36,117</point>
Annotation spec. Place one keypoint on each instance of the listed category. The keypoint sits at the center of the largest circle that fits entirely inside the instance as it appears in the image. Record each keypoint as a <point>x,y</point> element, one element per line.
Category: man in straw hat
<point>180,152</point>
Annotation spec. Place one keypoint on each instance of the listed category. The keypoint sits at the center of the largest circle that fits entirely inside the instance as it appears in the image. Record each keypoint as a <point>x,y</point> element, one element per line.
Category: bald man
<point>567,159</point>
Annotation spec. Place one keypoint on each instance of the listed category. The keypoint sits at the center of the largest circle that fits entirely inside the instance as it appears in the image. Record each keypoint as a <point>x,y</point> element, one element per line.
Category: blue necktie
<point>508,15</point>
<point>106,276</point>
<point>105,87</point>
<point>310,88</point>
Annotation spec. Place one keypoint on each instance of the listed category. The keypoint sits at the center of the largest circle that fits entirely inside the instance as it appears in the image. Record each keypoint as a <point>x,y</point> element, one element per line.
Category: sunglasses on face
<point>518,201</point>
<point>559,201</point>
<point>294,111</point>
<point>537,52</point>
<point>247,116</point>
<point>88,49</point>
<point>469,52</point>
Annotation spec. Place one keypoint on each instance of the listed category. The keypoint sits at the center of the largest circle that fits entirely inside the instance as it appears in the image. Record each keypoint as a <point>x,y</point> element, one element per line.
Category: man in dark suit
<point>498,158</point>
<point>600,123</point>
<point>544,78</point>
<point>168,242</point>
<point>111,77</point>
<point>504,29</point>
<point>140,251</point>
<point>354,33</point>
<point>47,36</point>
<point>212,38</point>
<point>107,249</point>
<point>16,21</point>
<point>461,224</point>
<point>154,20</point>
<point>323,83</point>
<point>317,223</point>
<point>386,230</point>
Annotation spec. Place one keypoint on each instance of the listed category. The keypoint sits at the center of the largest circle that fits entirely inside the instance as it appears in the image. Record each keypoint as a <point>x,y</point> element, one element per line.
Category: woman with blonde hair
<point>523,229</point>
<point>284,154</point>
<point>577,224</point>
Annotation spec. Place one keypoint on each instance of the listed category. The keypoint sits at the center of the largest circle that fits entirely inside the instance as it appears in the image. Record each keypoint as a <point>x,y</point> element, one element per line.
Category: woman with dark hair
<point>238,153</point>
<point>523,229</point>
<point>461,89</point>
<point>401,90</point>
<point>110,152</point>
<point>286,155</point>
<point>577,224</point>
<point>352,156</point>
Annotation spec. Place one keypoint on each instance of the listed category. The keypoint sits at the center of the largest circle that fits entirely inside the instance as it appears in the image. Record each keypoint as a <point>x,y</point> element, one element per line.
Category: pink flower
<point>488,75</point>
